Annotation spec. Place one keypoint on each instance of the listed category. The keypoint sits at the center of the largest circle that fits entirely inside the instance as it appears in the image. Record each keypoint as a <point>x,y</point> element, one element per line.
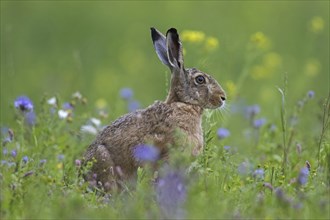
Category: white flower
<point>96,122</point>
<point>77,95</point>
<point>88,129</point>
<point>52,101</point>
<point>63,114</point>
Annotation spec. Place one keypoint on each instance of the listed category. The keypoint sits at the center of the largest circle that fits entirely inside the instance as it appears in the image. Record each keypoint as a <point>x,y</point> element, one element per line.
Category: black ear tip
<point>154,35</point>
<point>153,30</point>
<point>172,30</point>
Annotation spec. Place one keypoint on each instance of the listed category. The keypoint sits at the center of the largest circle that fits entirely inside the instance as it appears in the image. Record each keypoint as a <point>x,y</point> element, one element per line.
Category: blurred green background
<point>99,47</point>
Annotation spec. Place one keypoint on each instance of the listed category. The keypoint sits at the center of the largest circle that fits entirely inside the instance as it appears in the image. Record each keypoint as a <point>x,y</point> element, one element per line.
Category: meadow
<point>70,68</point>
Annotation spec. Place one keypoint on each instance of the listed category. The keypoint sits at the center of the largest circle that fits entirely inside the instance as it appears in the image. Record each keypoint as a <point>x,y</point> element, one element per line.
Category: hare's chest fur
<point>177,125</point>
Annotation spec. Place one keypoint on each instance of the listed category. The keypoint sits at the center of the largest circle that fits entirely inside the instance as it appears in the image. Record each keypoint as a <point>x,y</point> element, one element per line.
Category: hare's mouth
<point>216,102</point>
<point>222,104</point>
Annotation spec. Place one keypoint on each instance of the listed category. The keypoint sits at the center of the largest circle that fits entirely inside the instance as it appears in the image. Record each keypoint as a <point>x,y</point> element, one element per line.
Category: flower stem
<point>284,130</point>
<point>325,125</point>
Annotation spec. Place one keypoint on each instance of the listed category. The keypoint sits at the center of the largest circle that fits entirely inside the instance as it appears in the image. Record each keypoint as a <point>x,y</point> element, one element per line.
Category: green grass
<point>270,55</point>
<point>220,183</point>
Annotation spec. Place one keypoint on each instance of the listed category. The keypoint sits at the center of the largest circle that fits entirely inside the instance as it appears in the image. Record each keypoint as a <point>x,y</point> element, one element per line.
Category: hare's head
<point>188,85</point>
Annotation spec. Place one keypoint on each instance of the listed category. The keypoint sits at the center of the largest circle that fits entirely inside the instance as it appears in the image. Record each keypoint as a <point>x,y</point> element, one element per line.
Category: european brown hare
<point>190,92</point>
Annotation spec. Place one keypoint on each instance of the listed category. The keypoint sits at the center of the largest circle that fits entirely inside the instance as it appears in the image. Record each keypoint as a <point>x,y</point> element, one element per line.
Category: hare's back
<point>132,128</point>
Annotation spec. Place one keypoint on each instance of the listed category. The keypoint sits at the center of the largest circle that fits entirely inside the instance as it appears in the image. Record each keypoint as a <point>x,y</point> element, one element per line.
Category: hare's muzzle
<point>222,98</point>
<point>218,99</point>
<point>222,101</point>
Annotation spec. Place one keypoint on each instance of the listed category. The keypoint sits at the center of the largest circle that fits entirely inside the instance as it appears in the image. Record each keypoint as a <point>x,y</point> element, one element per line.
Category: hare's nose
<point>223,98</point>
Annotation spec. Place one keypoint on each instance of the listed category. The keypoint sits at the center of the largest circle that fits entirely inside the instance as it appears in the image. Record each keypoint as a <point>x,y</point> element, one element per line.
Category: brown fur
<point>159,123</point>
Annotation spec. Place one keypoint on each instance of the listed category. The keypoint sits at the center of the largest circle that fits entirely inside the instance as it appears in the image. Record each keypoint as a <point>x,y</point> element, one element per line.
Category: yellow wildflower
<point>211,43</point>
<point>59,166</point>
<point>101,103</point>
<point>260,40</point>
<point>192,36</point>
<point>312,67</point>
<point>316,25</point>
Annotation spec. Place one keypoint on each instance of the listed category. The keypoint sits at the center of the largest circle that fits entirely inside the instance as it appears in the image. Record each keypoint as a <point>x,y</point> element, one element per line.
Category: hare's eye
<point>200,79</point>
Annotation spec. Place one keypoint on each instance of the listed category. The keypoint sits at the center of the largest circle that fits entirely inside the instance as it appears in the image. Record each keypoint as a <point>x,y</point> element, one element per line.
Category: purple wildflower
<point>311,94</point>
<point>4,151</point>
<point>303,176</point>
<point>13,153</point>
<point>133,105</point>
<point>252,111</point>
<point>29,173</point>
<point>25,159</point>
<point>259,122</point>
<point>258,174</point>
<point>30,118</point>
<point>67,106</point>
<point>126,93</point>
<point>282,197</point>
<point>227,148</point>
<point>94,176</point>
<point>60,157</point>
<point>146,153</point>
<point>23,103</point>
<point>269,186</point>
<point>171,194</point>
<point>223,133</point>
<point>279,193</point>
<point>43,161</point>
<point>78,163</point>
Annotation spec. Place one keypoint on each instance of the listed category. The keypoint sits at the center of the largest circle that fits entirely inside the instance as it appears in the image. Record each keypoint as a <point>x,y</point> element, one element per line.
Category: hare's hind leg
<point>102,172</point>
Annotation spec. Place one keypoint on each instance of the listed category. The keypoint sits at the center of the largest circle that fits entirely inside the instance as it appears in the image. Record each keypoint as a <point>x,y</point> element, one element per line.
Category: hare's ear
<point>174,49</point>
<point>159,42</point>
